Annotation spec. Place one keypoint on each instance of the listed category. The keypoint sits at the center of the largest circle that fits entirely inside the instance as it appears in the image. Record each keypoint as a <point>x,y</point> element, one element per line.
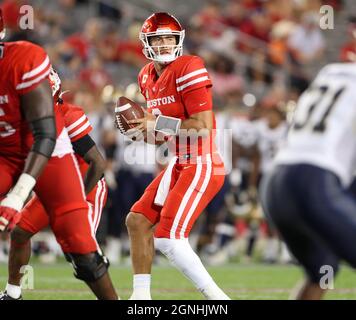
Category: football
<point>126,110</point>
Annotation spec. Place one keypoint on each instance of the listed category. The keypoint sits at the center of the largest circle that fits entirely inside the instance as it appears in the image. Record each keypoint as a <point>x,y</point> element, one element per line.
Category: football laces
<point>119,124</point>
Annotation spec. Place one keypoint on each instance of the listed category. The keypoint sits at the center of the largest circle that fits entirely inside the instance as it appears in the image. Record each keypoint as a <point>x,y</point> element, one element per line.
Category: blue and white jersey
<point>324,125</point>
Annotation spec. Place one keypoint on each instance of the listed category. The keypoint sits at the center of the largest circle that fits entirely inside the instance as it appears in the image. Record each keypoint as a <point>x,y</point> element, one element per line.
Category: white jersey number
<point>325,100</point>
<point>6,129</point>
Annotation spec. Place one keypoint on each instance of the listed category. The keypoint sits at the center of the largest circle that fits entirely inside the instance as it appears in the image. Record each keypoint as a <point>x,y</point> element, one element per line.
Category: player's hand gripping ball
<point>125,111</point>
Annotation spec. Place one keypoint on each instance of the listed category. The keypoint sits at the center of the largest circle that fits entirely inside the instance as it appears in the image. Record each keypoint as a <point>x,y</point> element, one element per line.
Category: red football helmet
<point>159,24</point>
<point>56,84</point>
<point>2,26</point>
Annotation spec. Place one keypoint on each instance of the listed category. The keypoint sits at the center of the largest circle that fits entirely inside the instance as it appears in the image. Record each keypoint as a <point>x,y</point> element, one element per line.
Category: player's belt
<point>184,158</point>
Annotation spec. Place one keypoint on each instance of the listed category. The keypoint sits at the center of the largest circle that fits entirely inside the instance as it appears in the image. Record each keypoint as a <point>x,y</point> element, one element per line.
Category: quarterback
<point>177,89</point>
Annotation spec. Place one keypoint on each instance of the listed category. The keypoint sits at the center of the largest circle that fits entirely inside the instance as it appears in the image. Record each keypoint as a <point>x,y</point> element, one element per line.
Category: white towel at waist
<point>163,188</point>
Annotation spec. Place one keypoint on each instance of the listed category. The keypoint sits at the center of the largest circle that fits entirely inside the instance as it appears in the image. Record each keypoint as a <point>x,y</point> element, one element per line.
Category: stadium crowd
<point>260,55</point>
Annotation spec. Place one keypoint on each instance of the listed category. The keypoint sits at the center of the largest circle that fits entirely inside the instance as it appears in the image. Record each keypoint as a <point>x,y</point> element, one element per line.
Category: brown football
<point>126,110</point>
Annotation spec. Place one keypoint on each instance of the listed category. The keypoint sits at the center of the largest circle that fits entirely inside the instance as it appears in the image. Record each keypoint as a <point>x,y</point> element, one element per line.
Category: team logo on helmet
<point>55,83</point>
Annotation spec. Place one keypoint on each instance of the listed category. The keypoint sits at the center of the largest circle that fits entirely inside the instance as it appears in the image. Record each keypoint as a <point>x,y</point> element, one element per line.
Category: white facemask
<point>176,50</point>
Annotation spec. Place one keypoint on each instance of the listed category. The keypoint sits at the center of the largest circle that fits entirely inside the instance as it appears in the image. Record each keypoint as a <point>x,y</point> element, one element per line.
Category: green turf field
<point>239,281</point>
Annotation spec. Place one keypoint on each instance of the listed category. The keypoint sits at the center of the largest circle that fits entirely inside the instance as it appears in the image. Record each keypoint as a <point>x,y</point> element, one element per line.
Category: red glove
<point>8,218</point>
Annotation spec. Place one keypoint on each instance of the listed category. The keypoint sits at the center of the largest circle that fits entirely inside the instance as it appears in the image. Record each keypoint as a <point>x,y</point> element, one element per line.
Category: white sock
<point>285,256</point>
<point>3,256</point>
<point>13,291</point>
<point>141,287</point>
<point>113,250</point>
<point>4,246</point>
<point>271,250</point>
<point>181,255</point>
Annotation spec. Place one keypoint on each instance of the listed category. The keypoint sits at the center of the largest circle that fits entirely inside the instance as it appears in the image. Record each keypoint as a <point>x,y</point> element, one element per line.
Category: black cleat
<point>5,296</point>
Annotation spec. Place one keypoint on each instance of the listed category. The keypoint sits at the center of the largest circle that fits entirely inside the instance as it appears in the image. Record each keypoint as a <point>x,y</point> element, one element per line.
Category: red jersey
<point>78,126</point>
<point>166,95</point>
<point>23,66</point>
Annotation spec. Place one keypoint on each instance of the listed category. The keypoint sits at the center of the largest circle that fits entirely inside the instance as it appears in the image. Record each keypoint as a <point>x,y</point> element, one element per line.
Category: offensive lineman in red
<point>36,154</point>
<point>34,217</point>
<point>177,86</point>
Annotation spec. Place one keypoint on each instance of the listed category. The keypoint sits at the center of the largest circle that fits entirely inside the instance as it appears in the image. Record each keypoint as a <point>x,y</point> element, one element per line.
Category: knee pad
<point>88,267</point>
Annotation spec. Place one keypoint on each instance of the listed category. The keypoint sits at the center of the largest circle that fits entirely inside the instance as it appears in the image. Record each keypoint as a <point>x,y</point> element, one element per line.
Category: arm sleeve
<point>192,76</point>
<point>197,100</point>
<point>83,145</point>
<point>32,66</point>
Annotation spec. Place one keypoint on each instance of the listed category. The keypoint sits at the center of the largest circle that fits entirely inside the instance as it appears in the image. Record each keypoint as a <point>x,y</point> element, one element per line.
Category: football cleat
<point>4,296</point>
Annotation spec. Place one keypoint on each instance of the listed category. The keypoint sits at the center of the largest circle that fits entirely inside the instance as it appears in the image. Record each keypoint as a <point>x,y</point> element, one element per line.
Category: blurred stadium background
<point>261,54</point>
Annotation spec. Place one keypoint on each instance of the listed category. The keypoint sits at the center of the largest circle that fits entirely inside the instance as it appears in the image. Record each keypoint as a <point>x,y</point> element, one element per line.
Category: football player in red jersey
<point>34,217</point>
<point>36,154</point>
<point>177,89</point>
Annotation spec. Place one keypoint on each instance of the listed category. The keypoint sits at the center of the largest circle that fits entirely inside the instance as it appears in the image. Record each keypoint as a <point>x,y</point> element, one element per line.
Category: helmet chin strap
<point>165,58</point>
